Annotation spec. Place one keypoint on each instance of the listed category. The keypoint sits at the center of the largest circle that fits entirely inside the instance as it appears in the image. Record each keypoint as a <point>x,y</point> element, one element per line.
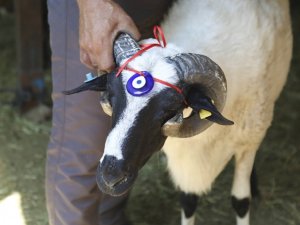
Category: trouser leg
<point>78,133</point>
<point>79,127</point>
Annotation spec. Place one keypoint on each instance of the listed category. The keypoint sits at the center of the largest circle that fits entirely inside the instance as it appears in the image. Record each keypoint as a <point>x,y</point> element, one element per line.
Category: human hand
<point>100,21</point>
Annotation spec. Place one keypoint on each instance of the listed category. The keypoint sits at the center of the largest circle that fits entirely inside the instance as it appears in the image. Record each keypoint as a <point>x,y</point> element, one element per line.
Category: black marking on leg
<point>241,206</point>
<point>188,203</point>
<point>254,184</point>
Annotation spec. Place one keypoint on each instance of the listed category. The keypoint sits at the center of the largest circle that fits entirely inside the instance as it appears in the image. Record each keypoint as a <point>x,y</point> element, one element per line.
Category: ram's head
<point>141,124</point>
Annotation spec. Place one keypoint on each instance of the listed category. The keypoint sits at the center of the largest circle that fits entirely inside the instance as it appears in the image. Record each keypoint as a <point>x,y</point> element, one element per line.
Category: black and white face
<point>137,121</point>
<point>136,132</point>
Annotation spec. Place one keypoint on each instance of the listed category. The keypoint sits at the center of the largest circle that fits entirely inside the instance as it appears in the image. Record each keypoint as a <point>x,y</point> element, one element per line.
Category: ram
<point>251,41</point>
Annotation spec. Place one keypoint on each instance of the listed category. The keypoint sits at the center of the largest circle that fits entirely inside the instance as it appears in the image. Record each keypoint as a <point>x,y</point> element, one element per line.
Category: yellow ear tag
<point>204,114</point>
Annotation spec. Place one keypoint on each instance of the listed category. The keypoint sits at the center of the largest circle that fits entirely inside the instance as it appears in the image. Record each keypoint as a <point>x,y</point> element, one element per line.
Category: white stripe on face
<point>119,133</point>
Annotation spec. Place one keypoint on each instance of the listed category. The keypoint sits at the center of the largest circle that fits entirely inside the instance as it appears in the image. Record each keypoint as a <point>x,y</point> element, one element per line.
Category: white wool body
<point>251,41</point>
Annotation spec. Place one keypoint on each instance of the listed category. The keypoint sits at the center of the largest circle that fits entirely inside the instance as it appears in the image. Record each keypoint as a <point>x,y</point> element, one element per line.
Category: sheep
<point>251,41</point>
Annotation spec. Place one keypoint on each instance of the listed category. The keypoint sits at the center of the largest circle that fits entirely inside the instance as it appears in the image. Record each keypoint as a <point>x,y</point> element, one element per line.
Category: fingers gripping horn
<point>124,47</point>
<point>199,71</point>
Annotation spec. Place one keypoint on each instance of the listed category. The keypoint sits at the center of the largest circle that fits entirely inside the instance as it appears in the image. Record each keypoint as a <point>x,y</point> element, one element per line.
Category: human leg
<point>78,133</point>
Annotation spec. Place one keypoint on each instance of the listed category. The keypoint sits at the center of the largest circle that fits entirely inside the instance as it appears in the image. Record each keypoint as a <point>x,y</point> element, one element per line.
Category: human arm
<point>100,21</point>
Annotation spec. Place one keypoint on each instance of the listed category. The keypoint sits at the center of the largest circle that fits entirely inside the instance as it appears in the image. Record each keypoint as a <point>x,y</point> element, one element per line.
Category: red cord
<point>123,67</point>
<point>135,71</point>
<point>160,37</point>
<point>168,84</point>
<point>157,80</point>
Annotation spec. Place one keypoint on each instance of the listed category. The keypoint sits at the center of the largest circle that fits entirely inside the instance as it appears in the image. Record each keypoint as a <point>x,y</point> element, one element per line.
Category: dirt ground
<point>153,200</point>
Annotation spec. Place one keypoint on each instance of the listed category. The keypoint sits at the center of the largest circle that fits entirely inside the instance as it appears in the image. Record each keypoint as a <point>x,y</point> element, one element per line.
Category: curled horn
<point>201,70</point>
<point>124,47</point>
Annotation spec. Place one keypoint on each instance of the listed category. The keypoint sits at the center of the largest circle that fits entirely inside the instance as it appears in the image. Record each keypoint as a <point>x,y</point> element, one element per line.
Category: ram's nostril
<point>113,172</point>
<point>114,181</point>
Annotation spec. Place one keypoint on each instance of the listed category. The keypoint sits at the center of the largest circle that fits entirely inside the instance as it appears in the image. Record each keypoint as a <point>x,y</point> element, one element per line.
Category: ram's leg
<point>189,204</point>
<point>254,184</point>
<point>241,191</point>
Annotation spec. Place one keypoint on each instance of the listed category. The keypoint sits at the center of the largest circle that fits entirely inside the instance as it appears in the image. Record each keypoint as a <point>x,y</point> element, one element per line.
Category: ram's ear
<point>97,84</point>
<point>204,105</point>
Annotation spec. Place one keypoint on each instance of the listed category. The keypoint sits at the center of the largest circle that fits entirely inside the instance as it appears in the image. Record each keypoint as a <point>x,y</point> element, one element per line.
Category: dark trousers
<point>79,126</point>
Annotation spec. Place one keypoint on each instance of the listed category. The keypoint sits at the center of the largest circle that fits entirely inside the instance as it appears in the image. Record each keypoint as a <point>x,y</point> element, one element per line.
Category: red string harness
<point>160,37</point>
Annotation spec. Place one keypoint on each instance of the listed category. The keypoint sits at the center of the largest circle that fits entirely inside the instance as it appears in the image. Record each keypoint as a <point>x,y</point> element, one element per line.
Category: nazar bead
<point>139,85</point>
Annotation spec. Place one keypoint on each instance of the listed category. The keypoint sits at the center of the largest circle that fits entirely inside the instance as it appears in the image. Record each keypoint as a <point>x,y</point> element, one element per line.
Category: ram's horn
<point>124,47</point>
<point>201,70</point>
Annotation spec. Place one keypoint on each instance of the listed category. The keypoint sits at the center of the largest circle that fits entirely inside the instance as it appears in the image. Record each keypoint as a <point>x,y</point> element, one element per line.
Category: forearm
<point>99,23</point>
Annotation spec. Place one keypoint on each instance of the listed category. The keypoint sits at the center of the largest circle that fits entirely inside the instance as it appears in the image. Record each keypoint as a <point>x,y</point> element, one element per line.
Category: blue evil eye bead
<point>139,85</point>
